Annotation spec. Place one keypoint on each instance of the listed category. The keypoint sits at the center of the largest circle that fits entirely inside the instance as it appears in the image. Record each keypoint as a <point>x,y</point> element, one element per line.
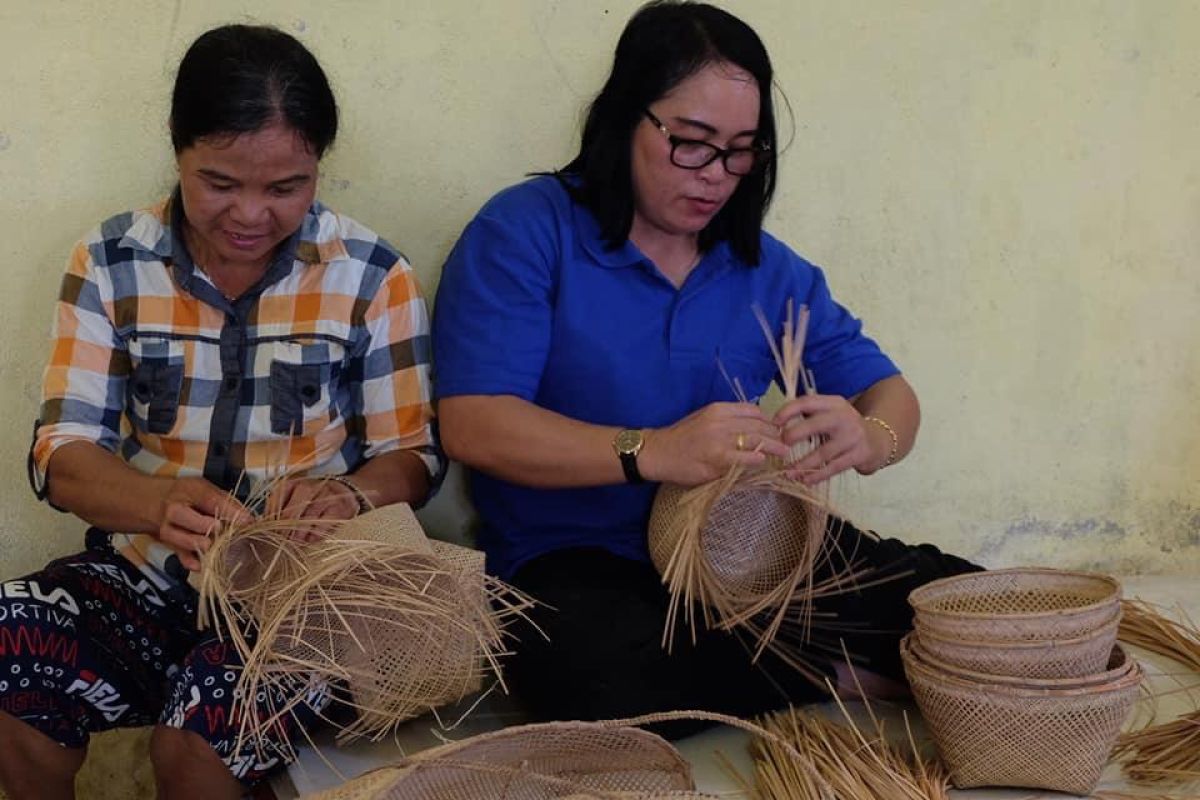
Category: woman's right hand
<point>702,446</point>
<point>191,511</point>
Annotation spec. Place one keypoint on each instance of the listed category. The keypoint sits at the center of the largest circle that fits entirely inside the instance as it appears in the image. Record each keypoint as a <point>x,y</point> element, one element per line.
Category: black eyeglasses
<point>696,154</point>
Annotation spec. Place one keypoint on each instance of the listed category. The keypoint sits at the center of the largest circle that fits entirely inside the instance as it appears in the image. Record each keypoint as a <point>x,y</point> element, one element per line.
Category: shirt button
<point>220,450</point>
<point>230,384</point>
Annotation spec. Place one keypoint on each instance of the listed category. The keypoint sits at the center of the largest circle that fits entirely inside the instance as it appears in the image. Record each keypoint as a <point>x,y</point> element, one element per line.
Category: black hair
<point>664,43</point>
<point>241,78</point>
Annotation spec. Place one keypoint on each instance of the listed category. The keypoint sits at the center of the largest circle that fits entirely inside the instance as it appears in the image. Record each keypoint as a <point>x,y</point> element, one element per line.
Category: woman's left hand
<point>844,436</point>
<point>319,500</point>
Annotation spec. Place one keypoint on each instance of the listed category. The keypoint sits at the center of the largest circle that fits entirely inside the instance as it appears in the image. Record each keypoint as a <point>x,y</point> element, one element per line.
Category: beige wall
<point>1009,193</point>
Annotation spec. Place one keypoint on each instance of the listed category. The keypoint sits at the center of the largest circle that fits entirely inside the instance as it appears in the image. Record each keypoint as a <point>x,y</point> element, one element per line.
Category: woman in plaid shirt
<point>240,328</point>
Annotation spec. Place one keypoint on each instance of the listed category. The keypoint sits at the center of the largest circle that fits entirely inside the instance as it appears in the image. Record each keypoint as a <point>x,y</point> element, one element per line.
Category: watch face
<point>628,441</point>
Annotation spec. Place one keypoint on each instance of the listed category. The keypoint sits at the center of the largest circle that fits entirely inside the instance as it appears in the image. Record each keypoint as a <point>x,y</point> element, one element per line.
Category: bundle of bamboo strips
<point>1144,625</point>
<point>1165,753</point>
<point>395,624</point>
<point>1168,752</point>
<point>749,550</point>
<point>839,761</point>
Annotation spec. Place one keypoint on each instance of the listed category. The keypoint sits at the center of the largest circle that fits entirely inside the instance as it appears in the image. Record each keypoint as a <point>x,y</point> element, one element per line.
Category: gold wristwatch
<point>627,444</point>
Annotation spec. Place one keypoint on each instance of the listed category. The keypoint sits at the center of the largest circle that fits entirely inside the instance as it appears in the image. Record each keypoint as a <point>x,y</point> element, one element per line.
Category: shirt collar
<point>627,254</point>
<point>587,228</point>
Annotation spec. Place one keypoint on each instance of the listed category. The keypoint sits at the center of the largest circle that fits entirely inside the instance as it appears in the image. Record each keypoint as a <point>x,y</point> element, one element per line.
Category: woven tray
<point>1022,604</point>
<point>996,735</point>
<point>1119,664</point>
<point>534,762</point>
<point>1066,658</point>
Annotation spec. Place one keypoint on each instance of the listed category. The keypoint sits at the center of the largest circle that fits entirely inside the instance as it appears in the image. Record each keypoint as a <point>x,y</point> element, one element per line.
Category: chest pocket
<point>302,382</point>
<point>155,381</point>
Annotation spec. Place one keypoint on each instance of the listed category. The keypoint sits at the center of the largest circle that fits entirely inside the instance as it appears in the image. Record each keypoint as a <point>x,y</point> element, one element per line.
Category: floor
<point>319,768</point>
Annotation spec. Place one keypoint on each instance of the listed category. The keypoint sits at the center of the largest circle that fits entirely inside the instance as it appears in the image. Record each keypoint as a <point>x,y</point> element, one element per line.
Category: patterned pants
<point>88,644</point>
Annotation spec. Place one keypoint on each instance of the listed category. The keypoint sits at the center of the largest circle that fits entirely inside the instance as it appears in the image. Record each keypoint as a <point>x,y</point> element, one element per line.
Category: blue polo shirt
<point>533,304</point>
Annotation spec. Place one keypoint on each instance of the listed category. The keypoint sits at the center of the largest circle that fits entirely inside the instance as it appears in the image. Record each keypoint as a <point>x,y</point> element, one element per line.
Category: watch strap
<point>629,464</point>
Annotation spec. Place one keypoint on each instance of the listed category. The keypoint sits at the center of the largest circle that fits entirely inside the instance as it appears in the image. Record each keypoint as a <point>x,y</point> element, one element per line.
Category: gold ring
<point>740,442</point>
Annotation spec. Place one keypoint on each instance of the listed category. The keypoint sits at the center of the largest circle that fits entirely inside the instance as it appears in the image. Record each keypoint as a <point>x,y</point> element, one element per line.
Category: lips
<point>703,205</point>
<point>244,240</point>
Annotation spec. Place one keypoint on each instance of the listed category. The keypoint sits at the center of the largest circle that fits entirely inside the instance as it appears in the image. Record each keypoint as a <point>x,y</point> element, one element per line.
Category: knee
<point>31,762</point>
<point>175,752</point>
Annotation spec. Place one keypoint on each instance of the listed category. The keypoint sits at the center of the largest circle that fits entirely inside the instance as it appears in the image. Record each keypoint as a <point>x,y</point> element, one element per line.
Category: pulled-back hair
<point>242,78</point>
<point>663,44</point>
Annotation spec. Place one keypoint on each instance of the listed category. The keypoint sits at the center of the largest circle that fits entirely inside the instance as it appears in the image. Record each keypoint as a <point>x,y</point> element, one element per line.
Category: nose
<point>713,172</point>
<point>248,209</point>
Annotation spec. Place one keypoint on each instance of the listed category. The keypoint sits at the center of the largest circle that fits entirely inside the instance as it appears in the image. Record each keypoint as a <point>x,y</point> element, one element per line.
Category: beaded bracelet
<point>891,459</point>
<point>364,505</point>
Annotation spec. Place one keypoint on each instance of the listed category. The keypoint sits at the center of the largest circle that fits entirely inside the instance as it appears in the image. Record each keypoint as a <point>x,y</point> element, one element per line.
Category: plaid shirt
<point>321,366</point>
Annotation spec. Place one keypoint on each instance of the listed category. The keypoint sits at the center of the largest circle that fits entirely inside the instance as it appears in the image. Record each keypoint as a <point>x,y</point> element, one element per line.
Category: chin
<point>244,257</point>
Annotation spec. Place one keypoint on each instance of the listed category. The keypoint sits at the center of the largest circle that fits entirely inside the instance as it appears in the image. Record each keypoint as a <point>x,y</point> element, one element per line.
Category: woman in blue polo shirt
<point>579,325</point>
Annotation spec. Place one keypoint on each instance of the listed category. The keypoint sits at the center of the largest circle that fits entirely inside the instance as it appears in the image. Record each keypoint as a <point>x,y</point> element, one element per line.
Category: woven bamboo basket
<point>532,762</point>
<point>1024,603</point>
<point>1119,663</point>
<point>1052,658</point>
<point>994,734</point>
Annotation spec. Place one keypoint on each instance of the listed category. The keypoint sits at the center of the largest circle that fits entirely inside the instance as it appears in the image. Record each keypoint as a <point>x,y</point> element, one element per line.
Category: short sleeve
<point>83,386</point>
<point>494,310</point>
<point>843,359</point>
<point>397,396</point>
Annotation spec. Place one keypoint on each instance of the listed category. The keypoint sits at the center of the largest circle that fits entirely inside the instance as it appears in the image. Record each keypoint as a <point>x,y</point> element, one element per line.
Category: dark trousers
<point>88,644</point>
<point>604,617</point>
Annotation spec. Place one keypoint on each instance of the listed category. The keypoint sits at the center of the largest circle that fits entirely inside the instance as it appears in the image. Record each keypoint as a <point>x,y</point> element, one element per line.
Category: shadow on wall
<point>449,516</point>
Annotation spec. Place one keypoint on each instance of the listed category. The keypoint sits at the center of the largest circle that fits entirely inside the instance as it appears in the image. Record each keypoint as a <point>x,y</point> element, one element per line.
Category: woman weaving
<point>238,331</point>
<point>580,322</point>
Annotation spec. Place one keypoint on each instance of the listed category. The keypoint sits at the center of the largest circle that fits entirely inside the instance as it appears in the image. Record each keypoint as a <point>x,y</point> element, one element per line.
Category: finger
<point>300,501</point>
<point>809,428</point>
<point>808,405</point>
<point>305,535</point>
<point>231,510</point>
<point>188,520</point>
<point>819,457</point>
<point>220,505</point>
<point>738,411</point>
<point>838,465</point>
<point>280,498</point>
<point>767,446</point>
<point>183,541</point>
<point>763,429</point>
<point>189,561</point>
<point>750,459</point>
<point>342,506</point>
<point>327,495</point>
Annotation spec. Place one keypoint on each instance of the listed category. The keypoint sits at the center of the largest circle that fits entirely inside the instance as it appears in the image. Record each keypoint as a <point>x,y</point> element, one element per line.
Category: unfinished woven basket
<point>403,623</point>
<point>532,762</point>
<point>994,734</point>
<point>1050,658</point>
<point>756,537</point>
<point>744,550</point>
<point>1024,603</point>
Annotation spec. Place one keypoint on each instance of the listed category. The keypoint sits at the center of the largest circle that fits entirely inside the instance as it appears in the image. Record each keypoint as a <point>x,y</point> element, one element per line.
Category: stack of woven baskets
<point>1019,677</point>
